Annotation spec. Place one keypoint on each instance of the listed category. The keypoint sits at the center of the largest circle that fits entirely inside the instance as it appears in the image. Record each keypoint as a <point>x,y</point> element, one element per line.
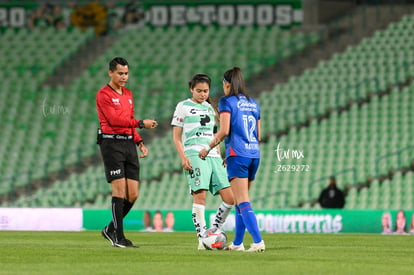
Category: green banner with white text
<point>123,14</point>
<point>270,221</point>
<point>283,13</point>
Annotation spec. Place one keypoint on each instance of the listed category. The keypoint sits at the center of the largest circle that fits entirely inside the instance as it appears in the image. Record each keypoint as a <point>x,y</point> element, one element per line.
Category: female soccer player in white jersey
<point>193,129</point>
<point>240,125</point>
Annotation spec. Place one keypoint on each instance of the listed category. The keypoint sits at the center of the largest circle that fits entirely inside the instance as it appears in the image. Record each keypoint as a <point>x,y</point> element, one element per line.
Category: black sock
<point>127,206</point>
<point>117,216</point>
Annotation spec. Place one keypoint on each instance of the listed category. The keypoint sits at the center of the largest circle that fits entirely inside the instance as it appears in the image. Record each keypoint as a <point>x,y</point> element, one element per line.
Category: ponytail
<point>236,80</point>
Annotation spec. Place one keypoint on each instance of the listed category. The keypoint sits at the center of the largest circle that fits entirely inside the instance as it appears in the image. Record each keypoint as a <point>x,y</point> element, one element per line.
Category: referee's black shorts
<point>120,158</point>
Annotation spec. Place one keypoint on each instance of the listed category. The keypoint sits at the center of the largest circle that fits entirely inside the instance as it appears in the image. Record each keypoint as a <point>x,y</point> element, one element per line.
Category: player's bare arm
<point>219,137</point>
<point>185,162</point>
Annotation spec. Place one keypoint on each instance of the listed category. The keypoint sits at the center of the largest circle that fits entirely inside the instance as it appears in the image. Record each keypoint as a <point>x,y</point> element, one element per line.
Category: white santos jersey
<point>197,122</point>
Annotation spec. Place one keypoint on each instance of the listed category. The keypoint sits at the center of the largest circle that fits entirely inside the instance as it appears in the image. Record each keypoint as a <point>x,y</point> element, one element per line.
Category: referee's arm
<point>137,138</point>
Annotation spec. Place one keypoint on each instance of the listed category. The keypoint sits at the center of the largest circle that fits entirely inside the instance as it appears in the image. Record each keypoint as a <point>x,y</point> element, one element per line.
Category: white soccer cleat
<point>235,247</point>
<point>200,245</point>
<point>257,247</point>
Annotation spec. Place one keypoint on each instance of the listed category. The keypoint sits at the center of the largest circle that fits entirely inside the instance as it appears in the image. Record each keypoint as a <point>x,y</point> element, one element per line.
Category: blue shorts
<point>240,167</point>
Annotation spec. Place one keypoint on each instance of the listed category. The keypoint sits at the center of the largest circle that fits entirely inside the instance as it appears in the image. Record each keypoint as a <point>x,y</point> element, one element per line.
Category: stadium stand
<point>395,193</point>
<point>153,64</point>
<point>163,72</point>
<point>158,63</point>
<point>353,100</point>
<point>353,142</point>
<point>349,128</point>
<point>32,62</point>
<point>369,67</point>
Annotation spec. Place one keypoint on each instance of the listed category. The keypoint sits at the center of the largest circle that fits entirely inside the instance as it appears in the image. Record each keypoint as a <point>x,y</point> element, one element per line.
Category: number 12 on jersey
<point>249,123</point>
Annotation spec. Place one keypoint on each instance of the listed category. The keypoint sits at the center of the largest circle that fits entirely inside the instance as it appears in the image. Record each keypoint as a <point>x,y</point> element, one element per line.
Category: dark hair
<point>199,78</point>
<point>237,85</point>
<point>115,61</point>
<point>203,78</point>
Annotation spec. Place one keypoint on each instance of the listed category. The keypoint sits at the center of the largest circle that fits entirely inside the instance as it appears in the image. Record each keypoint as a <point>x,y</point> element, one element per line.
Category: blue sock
<point>240,228</point>
<point>250,221</point>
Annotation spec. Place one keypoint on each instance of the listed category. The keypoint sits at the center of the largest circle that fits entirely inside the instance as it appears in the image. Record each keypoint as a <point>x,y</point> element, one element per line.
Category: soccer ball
<point>214,239</point>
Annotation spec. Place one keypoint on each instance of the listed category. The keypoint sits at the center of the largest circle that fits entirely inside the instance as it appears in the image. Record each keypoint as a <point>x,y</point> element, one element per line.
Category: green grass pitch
<point>176,253</point>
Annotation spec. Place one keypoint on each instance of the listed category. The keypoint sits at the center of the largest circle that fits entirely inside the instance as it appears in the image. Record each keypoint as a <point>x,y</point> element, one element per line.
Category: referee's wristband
<point>139,142</point>
<point>141,124</point>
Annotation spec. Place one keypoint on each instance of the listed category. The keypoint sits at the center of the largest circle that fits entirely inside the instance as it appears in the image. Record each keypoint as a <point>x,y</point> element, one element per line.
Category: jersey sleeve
<point>137,137</point>
<point>105,105</point>
<point>178,117</point>
<point>223,106</point>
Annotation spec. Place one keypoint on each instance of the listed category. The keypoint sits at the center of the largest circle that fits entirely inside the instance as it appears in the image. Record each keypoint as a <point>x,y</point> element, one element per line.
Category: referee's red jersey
<point>116,112</point>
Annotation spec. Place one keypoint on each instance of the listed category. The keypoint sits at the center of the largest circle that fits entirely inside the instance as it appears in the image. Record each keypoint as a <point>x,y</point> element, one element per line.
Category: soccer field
<point>175,253</point>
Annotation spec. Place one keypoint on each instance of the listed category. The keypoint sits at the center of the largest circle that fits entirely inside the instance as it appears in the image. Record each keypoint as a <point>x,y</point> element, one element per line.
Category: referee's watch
<point>141,124</point>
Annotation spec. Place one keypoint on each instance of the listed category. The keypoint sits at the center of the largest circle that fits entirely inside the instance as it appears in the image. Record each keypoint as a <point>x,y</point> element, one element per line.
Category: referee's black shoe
<point>110,236</point>
<point>124,243</point>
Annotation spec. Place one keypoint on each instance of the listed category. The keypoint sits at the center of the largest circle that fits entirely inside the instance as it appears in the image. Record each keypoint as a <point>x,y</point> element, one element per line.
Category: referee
<point>117,138</point>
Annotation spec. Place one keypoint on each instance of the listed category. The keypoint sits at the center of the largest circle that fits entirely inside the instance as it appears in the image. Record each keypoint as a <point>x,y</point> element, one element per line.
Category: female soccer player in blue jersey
<point>240,126</point>
<point>193,129</point>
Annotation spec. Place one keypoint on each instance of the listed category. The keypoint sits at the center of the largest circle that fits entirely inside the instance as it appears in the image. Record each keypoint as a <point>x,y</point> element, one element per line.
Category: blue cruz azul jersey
<point>243,138</point>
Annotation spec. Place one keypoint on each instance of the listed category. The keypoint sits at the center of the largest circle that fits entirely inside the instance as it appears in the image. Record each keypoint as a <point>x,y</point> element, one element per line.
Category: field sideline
<point>175,253</point>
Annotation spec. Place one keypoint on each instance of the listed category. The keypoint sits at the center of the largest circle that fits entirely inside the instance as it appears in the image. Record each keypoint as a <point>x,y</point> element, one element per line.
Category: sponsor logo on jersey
<point>115,101</point>
<point>194,111</point>
<point>204,119</point>
<point>204,134</point>
<point>177,118</point>
<point>244,105</point>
